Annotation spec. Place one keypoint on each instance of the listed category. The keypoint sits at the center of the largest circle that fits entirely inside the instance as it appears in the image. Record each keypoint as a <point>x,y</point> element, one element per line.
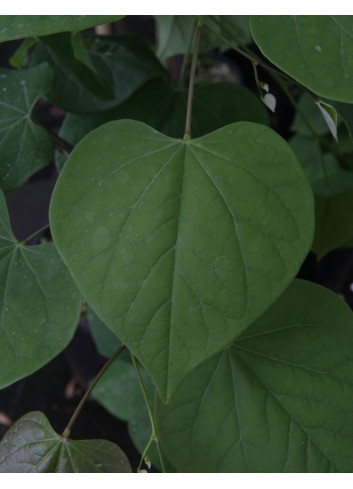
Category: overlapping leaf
<point>123,63</point>
<point>39,304</point>
<point>176,33</point>
<point>24,145</point>
<point>179,246</point>
<point>279,399</point>
<point>31,445</point>
<point>325,174</point>
<point>163,107</point>
<point>316,52</point>
<point>19,26</point>
<point>120,393</point>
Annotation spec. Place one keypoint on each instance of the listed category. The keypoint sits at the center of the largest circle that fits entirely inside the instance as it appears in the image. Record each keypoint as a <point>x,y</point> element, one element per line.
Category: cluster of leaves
<point>185,250</point>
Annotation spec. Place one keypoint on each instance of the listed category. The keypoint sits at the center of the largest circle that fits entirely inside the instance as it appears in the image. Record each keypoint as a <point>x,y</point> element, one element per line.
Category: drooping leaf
<point>31,445</point>
<point>20,26</point>
<point>179,246</point>
<point>329,114</point>
<point>39,304</point>
<point>279,399</point>
<point>20,58</point>
<point>312,115</point>
<point>125,62</point>
<point>316,51</point>
<point>24,145</point>
<point>163,107</point>
<point>333,221</point>
<point>75,84</point>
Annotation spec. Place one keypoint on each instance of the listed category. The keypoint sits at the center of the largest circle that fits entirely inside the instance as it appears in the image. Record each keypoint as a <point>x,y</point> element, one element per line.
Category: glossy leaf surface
<point>24,145</point>
<point>316,51</point>
<point>31,445</point>
<point>279,399</point>
<point>179,246</point>
<point>39,304</point>
<point>19,26</point>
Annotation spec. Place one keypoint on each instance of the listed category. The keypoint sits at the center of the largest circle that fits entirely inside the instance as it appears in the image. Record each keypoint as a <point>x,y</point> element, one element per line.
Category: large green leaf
<point>125,61</point>
<point>31,445</point>
<point>313,49</point>
<point>163,107</point>
<point>179,246</point>
<point>197,260</point>
<point>19,26</point>
<point>25,146</point>
<point>39,304</point>
<point>279,399</point>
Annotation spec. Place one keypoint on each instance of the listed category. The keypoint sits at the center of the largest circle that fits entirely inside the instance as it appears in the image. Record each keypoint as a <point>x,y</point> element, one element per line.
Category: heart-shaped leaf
<point>179,246</point>
<point>31,445</point>
<point>279,399</point>
<point>39,304</point>
<point>19,26</point>
<point>25,146</point>
<point>316,51</point>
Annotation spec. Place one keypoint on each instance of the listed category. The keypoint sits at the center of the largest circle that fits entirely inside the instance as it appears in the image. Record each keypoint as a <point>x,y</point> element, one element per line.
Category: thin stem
<point>252,58</point>
<point>67,430</point>
<point>187,132</point>
<point>154,436</point>
<point>187,54</point>
<point>36,233</point>
<point>59,143</point>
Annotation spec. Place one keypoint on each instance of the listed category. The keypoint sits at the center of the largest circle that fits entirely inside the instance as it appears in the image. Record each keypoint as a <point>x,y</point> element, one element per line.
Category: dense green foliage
<point>184,245</point>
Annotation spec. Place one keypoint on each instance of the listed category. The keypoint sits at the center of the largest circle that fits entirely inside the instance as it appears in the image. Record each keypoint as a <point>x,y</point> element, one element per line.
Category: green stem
<point>36,233</point>
<point>187,132</point>
<point>67,430</point>
<point>153,436</point>
<point>187,54</point>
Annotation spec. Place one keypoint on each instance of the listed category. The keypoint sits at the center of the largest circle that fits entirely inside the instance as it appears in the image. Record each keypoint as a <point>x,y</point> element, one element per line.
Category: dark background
<point>57,387</point>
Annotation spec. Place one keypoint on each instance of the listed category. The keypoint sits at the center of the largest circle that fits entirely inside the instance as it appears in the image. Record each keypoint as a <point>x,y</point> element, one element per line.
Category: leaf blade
<point>275,400</point>
<point>152,246</point>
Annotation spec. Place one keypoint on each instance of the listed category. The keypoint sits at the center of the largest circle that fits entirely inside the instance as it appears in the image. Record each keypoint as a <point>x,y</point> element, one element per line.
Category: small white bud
<point>270,101</point>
